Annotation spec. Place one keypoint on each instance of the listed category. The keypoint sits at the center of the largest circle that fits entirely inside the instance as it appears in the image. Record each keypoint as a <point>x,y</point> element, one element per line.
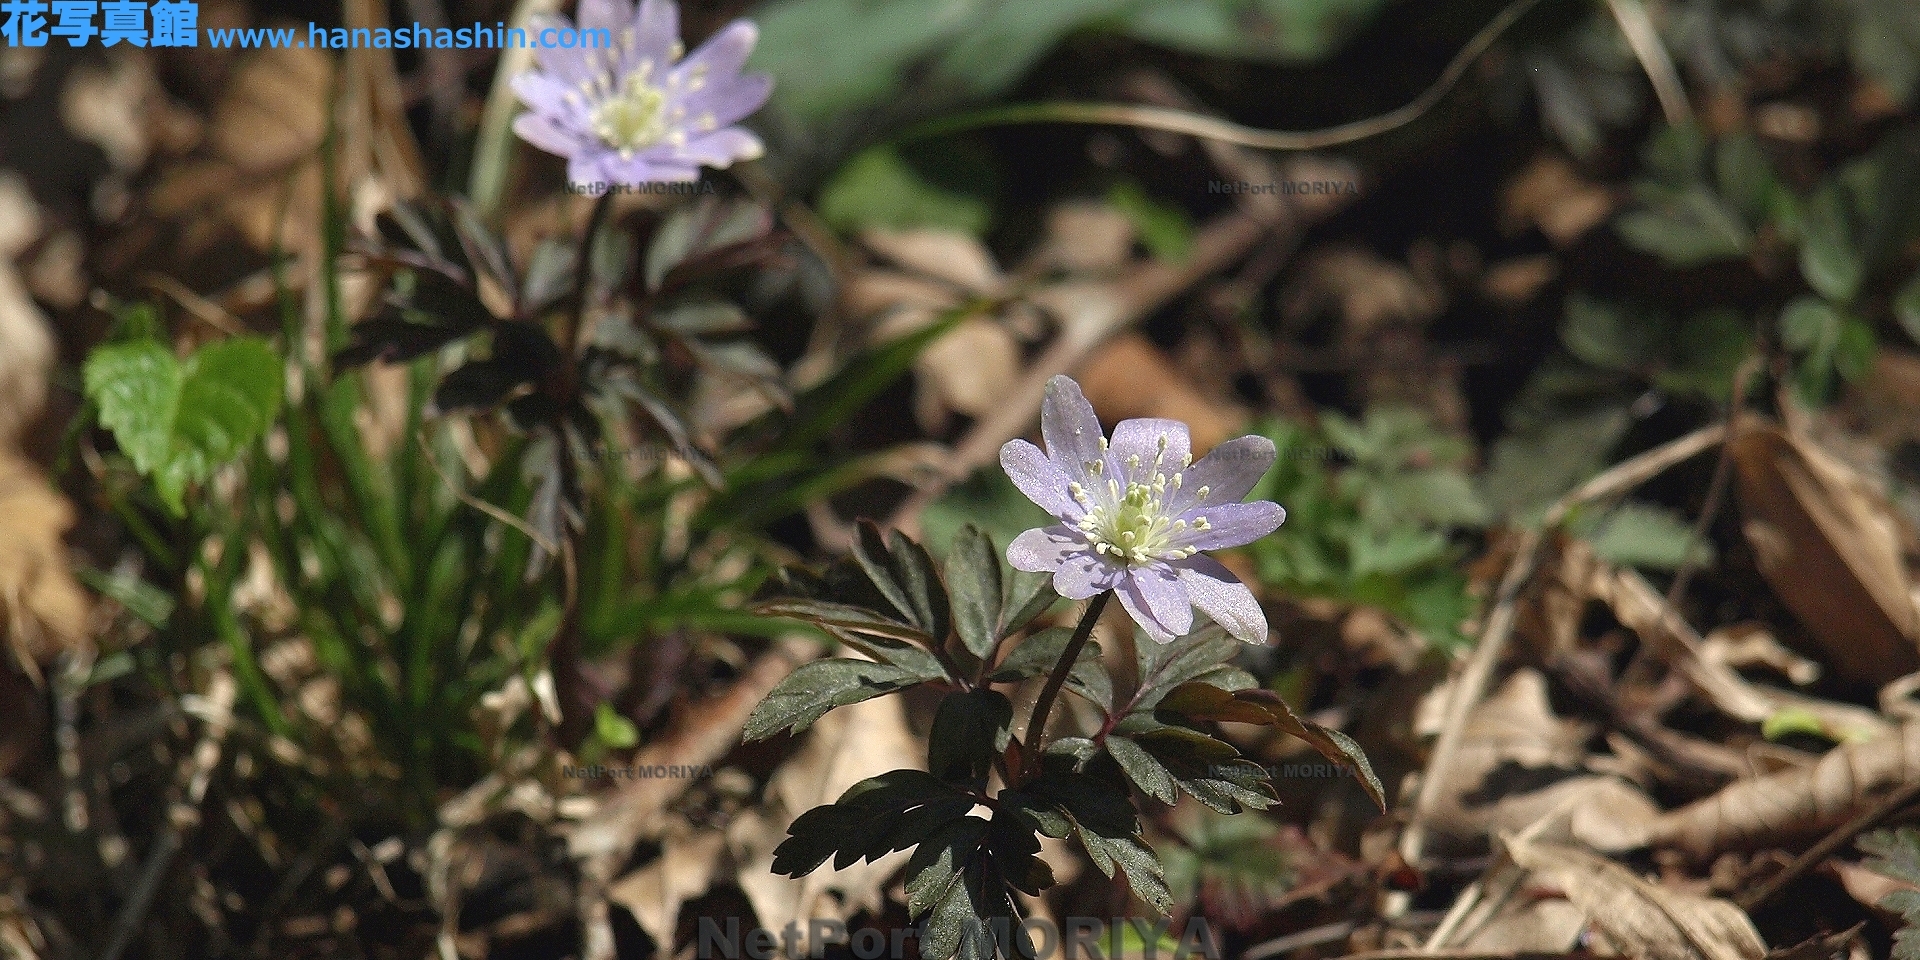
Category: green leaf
<point>1809,325</point>
<point>1027,595</point>
<point>1272,31</point>
<point>179,421</point>
<point>1896,854</point>
<point>815,688</point>
<point>701,227</point>
<point>875,817</point>
<point>973,576</point>
<point>1166,666</point>
<point>1829,258</point>
<point>878,188</point>
<point>1608,336</point>
<point>1643,535</point>
<point>613,729</point>
<point>1146,773</point>
<point>1906,307</point>
<point>970,730</point>
<point>903,572</point>
<point>1690,228</point>
<point>1164,229</point>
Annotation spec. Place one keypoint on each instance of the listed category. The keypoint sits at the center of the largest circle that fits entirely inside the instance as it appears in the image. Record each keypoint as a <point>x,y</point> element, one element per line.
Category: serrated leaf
<point>178,421</point>
<point>701,228</point>
<point>879,188</point>
<point>1644,535</point>
<point>969,731</point>
<point>1896,854</point>
<point>1146,773</point>
<point>875,817</point>
<point>815,688</point>
<point>1166,666</point>
<point>1025,595</point>
<point>1609,336</point>
<point>973,577</point>
<point>1201,701</point>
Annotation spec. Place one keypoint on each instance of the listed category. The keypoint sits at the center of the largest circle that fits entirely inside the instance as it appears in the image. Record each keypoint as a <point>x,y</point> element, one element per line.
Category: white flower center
<point>1132,524</point>
<point>634,117</point>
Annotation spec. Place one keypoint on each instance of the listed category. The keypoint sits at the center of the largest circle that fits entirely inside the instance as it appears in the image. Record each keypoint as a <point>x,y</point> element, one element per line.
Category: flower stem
<point>1037,727</point>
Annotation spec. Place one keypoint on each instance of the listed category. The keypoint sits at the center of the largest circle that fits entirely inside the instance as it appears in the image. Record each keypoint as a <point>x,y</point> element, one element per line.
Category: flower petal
<point>657,165</point>
<point>1141,610</point>
<point>720,57</point>
<point>608,15</point>
<point>1229,472</point>
<point>568,66</point>
<point>1220,595</point>
<point>1039,478</point>
<point>656,28</point>
<point>1231,524</point>
<point>540,130</point>
<point>1078,572</point>
<point>721,148</point>
<point>1142,438</point>
<point>1044,549</point>
<point>1156,587</point>
<point>725,101</point>
<point>1070,429</point>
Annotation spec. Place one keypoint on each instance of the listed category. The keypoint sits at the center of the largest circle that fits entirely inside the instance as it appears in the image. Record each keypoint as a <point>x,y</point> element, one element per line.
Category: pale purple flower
<point>1136,512</point>
<point>637,112</point>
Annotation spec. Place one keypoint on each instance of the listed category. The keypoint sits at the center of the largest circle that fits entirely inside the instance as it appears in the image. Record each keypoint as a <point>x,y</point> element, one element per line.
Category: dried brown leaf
<point>843,748</point>
<point>1793,805</point>
<point>1641,919</point>
<point>42,608</point>
<point>1517,763</point>
<point>1129,377</point>
<point>689,858</point>
<point>1550,194</point>
<point>1830,547</point>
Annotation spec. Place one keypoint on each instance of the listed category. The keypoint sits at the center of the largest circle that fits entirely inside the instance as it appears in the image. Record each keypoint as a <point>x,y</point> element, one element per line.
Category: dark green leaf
<point>1027,595</point>
<point>969,731</point>
<point>815,688</point>
<point>1200,701</point>
<point>1146,773</point>
<point>973,576</point>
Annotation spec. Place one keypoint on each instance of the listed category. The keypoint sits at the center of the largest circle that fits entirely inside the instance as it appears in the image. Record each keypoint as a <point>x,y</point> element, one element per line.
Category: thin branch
<point>1180,121</point>
<point>481,505</point>
<point>1641,35</point>
<point>1893,803</point>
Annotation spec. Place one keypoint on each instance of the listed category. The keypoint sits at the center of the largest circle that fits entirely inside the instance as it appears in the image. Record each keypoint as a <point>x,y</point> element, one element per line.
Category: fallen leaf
<point>1553,196</point>
<point>1129,377</point>
<point>842,748</point>
<point>1517,763</point>
<point>1831,548</point>
<point>689,858</point>
<point>1641,919</point>
<point>1792,805</point>
<point>44,608</point>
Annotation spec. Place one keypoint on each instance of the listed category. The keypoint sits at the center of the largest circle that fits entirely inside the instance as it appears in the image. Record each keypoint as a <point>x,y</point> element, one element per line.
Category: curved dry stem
<point>1211,128</point>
